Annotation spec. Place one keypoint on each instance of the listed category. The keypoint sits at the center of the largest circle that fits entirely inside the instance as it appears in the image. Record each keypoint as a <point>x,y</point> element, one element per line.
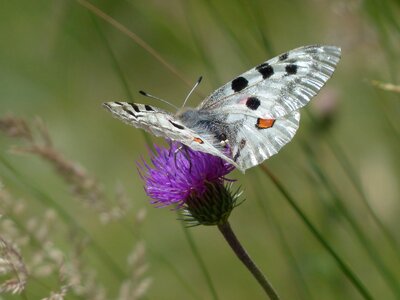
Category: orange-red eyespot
<point>198,140</point>
<point>265,123</point>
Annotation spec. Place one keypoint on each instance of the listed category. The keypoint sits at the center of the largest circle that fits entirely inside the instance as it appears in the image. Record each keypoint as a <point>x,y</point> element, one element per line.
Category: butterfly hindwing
<point>256,139</point>
<point>278,86</point>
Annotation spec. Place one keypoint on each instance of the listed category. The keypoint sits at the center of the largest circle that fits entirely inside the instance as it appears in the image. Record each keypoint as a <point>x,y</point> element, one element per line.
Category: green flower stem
<point>241,253</point>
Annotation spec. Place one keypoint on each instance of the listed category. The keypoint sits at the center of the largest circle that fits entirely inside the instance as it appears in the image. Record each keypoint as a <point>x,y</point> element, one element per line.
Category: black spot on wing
<point>148,108</point>
<point>118,103</point>
<point>176,125</point>
<point>135,107</point>
<point>242,143</point>
<point>283,56</point>
<point>239,84</point>
<point>236,155</point>
<point>265,70</point>
<point>253,103</point>
<point>130,112</point>
<point>291,69</point>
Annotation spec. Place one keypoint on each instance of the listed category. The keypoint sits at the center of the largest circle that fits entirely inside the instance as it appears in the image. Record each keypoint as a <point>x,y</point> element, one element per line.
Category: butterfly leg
<point>170,147</point>
<point>185,153</point>
<point>176,152</point>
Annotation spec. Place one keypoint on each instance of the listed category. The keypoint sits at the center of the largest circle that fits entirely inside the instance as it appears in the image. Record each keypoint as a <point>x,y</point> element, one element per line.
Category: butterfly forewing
<point>278,86</point>
<point>149,118</point>
<point>164,124</point>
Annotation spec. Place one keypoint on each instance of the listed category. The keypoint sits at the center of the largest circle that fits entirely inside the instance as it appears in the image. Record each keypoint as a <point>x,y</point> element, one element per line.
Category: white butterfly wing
<point>279,86</point>
<point>254,142</point>
<point>151,119</point>
<point>254,115</point>
<point>260,106</point>
<point>164,124</point>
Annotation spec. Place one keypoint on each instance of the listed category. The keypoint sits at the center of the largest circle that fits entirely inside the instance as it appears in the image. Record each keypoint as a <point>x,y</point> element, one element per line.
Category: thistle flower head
<point>178,173</point>
<point>191,179</point>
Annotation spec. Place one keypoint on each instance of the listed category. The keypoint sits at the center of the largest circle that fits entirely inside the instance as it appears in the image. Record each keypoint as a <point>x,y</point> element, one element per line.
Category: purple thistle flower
<point>195,181</point>
<point>178,175</point>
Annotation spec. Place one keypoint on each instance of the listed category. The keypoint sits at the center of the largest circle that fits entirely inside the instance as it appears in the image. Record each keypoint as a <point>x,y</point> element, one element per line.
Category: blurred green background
<point>60,61</point>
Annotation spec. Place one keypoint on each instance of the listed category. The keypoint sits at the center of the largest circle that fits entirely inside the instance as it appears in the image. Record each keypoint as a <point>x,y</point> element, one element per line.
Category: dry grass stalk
<point>76,277</point>
<point>36,233</point>
<point>83,185</point>
<point>136,286</point>
<point>16,128</point>
<point>11,263</point>
<point>81,278</point>
<point>64,289</point>
<point>47,259</point>
<point>386,86</point>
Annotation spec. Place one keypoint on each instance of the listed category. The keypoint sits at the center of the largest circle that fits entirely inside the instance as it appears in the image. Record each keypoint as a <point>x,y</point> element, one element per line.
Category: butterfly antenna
<point>191,91</point>
<point>154,97</point>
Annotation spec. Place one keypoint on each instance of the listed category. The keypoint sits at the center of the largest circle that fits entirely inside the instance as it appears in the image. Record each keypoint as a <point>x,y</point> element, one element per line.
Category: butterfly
<point>251,117</point>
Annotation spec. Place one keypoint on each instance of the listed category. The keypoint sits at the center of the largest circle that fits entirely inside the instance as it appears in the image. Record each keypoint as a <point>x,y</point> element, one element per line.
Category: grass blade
<point>341,264</point>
